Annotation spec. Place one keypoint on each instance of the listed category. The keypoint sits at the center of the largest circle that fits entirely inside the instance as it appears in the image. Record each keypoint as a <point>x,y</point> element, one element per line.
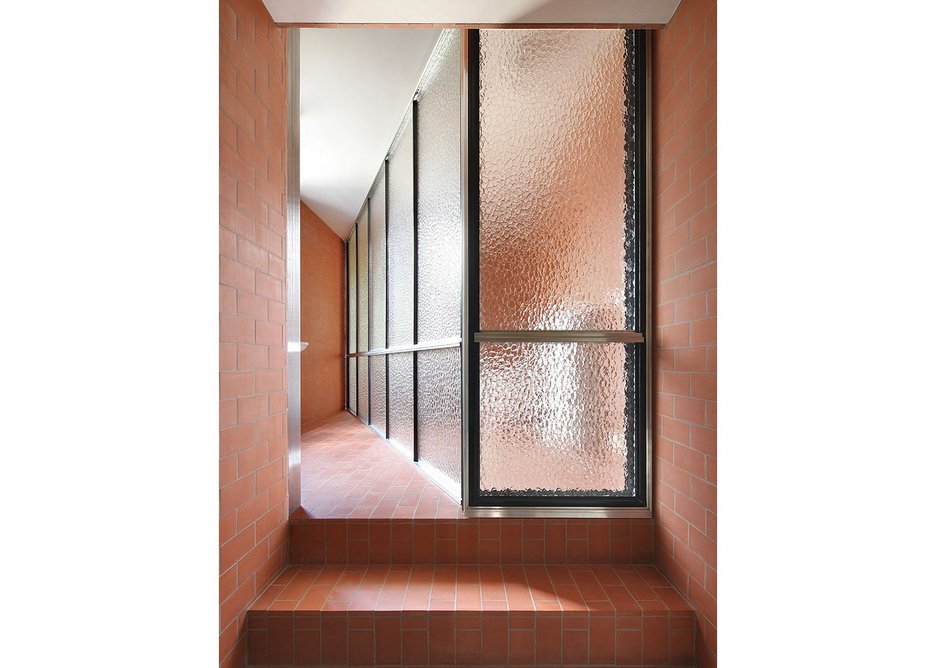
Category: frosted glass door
<point>560,358</point>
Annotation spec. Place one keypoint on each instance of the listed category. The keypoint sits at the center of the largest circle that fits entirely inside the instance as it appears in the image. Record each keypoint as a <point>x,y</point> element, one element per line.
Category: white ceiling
<point>355,85</point>
<point>473,12</point>
<point>357,82</point>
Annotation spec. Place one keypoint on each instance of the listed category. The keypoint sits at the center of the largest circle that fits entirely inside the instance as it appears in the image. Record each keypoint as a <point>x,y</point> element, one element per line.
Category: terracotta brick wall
<point>253,530</point>
<point>322,293</point>
<point>684,62</point>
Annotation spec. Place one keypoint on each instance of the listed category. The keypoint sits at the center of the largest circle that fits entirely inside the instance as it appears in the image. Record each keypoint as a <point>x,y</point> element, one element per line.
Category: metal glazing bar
<point>357,322</point>
<point>415,279</point>
<point>386,245</point>
<point>645,275</point>
<point>644,202</point>
<point>370,298</point>
<point>347,323</point>
<point>428,345</point>
<point>564,336</point>
<point>470,201</point>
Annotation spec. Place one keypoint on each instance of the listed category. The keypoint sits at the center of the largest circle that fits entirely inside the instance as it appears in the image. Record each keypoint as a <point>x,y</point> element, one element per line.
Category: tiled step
<point>470,541</point>
<point>517,615</point>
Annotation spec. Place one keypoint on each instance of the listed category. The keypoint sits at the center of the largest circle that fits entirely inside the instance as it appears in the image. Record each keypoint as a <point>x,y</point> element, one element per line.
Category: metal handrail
<point>429,345</point>
<point>559,336</point>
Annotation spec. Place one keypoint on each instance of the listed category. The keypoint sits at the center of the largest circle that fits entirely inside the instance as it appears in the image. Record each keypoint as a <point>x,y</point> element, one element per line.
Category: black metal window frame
<point>472,311</point>
<point>378,352</point>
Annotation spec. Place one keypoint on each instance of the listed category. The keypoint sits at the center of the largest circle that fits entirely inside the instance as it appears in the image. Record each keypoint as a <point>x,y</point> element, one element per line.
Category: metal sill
<point>557,512</point>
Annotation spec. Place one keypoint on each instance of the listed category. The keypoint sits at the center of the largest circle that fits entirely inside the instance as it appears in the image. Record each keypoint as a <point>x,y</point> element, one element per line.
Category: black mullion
<point>357,322</point>
<point>472,269</point>
<point>415,280</point>
<point>347,301</point>
<point>386,297</point>
<point>370,298</point>
<point>640,43</point>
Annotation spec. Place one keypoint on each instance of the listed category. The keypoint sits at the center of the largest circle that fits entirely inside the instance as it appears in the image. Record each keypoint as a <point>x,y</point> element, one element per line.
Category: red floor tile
<point>622,588</point>
<point>349,472</point>
<point>388,571</point>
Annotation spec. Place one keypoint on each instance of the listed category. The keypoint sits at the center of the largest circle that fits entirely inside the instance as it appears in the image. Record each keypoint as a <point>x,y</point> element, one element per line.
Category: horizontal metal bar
<point>564,336</point>
<point>428,345</point>
<point>583,512</point>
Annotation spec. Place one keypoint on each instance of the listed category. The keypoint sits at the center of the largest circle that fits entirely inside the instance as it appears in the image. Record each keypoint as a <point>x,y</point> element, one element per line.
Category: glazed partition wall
<point>532,142</point>
<point>556,315</point>
<point>405,280</point>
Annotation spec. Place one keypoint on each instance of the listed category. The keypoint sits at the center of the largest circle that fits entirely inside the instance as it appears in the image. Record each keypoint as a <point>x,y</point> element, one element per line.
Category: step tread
<point>539,588</point>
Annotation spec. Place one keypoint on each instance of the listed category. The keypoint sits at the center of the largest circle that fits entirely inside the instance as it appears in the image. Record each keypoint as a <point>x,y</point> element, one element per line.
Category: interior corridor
<point>563,361</point>
<point>348,471</point>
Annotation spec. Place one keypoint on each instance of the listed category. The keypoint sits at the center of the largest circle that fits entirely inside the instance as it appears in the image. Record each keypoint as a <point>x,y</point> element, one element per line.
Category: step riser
<point>470,638</point>
<point>469,541</point>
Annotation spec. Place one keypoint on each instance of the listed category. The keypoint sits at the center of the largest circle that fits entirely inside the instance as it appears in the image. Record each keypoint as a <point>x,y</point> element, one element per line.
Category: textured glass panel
<point>558,174</point>
<point>401,401</point>
<point>558,419</point>
<point>352,385</point>
<point>363,400</point>
<point>378,262</point>
<point>438,139</point>
<point>362,340</point>
<point>439,414</point>
<point>352,292</point>
<point>378,393</point>
<point>400,237</point>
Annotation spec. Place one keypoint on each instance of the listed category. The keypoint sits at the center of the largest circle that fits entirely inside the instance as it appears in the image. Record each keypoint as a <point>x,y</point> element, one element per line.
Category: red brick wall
<point>253,505</point>
<point>685,309</point>
<point>322,292</point>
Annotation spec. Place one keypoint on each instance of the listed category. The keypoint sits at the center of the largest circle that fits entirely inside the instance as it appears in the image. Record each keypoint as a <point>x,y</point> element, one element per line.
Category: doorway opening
<point>495,326</point>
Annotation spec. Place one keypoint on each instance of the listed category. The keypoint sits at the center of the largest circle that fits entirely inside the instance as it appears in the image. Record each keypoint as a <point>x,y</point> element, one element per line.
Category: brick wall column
<point>684,155</point>
<point>253,531</point>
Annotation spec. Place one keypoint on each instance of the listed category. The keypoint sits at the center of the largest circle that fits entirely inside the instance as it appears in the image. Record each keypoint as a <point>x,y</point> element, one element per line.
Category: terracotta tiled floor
<point>388,572</point>
<point>349,472</point>
<point>597,615</point>
<point>623,588</point>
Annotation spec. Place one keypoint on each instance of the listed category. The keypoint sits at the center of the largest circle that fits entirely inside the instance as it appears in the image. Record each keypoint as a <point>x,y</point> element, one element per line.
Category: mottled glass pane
<point>400,237</point>
<point>558,180</point>
<point>438,140</point>
<point>363,399</point>
<point>401,401</point>
<point>362,341</point>
<point>439,414</point>
<point>378,262</point>
<point>558,419</point>
<point>352,385</point>
<point>378,393</point>
<point>352,292</point>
